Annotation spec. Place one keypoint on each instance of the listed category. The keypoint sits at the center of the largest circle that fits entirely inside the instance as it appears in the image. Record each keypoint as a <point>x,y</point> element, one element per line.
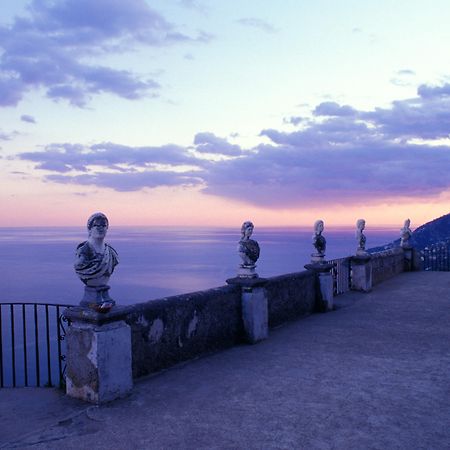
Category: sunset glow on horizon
<point>198,113</point>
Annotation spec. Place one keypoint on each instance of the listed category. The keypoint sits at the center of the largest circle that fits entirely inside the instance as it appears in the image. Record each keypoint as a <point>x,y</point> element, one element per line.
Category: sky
<point>210,113</point>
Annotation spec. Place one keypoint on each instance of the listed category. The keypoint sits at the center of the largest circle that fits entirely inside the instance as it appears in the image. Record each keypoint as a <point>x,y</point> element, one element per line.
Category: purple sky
<point>275,109</point>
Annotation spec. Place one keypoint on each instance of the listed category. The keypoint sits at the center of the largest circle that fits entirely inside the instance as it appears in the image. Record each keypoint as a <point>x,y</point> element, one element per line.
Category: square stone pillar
<point>361,266</point>
<point>411,258</point>
<point>255,311</point>
<point>98,355</point>
<point>324,285</point>
<point>408,259</point>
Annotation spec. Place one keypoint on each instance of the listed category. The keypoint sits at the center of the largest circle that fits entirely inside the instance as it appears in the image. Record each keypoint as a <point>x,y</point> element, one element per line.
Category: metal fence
<point>436,257</point>
<point>341,273</point>
<point>32,345</point>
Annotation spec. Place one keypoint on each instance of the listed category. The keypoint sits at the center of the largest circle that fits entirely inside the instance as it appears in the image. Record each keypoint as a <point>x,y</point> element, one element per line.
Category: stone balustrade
<point>106,350</point>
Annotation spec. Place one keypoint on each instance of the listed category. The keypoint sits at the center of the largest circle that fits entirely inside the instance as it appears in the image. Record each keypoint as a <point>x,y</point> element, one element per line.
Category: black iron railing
<point>341,273</point>
<point>32,345</point>
<point>436,257</point>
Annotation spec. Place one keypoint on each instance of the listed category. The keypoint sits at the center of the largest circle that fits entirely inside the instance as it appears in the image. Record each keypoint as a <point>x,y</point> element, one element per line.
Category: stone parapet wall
<point>137,340</point>
<point>178,328</point>
<point>170,330</point>
<point>387,264</point>
<point>290,296</point>
<point>174,329</point>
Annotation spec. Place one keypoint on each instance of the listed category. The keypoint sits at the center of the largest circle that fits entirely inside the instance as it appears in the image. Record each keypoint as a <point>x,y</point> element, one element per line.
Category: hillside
<point>437,230</point>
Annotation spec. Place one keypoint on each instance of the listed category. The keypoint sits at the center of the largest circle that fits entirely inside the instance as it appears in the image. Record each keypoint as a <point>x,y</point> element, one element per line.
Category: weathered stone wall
<point>174,329</point>
<point>290,296</point>
<point>387,264</point>
<point>170,330</point>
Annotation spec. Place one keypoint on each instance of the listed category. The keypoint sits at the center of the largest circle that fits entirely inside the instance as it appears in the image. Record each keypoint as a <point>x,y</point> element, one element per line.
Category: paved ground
<point>375,374</point>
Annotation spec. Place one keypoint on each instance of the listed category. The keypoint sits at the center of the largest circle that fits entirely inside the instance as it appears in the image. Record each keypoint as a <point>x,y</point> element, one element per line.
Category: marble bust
<point>319,242</point>
<point>405,234</point>
<point>360,237</point>
<point>95,262</point>
<point>248,250</point>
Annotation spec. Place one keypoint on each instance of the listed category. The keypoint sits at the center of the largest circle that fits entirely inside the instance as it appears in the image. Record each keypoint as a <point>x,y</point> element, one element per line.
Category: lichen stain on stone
<point>156,330</point>
<point>142,321</point>
<point>92,354</point>
<point>81,370</point>
<point>192,326</point>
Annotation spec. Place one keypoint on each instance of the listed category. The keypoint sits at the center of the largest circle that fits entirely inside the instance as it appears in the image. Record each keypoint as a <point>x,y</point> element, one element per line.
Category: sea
<point>36,264</point>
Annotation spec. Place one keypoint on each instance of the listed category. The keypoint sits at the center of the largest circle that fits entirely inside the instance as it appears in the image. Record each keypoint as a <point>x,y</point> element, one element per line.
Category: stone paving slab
<point>374,374</point>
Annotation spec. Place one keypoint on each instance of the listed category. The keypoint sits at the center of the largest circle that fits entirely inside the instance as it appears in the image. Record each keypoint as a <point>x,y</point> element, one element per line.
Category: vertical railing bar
<point>1,347</point>
<point>335,274</point>
<point>49,370</point>
<point>24,326</point>
<point>339,270</point>
<point>58,318</point>
<point>338,277</point>
<point>447,266</point>
<point>15,338</point>
<point>13,345</point>
<point>349,275</point>
<point>36,336</point>
<point>341,275</point>
<point>344,275</point>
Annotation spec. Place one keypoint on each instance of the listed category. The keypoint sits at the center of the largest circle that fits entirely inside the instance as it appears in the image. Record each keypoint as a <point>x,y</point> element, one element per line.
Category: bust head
<point>360,224</point>
<point>247,229</point>
<point>318,226</point>
<point>407,223</point>
<point>97,225</point>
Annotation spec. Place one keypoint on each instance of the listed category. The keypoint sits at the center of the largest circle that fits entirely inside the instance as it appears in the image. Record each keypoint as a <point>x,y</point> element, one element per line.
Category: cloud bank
<point>254,22</point>
<point>338,155</point>
<point>27,118</point>
<point>56,46</point>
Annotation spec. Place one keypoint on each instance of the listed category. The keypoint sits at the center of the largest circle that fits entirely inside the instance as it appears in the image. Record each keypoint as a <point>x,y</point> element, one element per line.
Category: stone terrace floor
<point>374,374</point>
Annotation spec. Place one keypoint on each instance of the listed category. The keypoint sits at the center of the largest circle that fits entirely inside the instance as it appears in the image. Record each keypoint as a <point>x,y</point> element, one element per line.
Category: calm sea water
<point>36,264</point>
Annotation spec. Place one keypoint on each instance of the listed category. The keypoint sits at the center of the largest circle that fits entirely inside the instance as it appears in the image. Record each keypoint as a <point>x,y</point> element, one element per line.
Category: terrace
<point>373,373</point>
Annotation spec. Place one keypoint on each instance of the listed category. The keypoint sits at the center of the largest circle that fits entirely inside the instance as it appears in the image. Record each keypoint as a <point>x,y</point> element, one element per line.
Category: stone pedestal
<point>324,282</point>
<point>361,273</point>
<point>96,295</point>
<point>255,314</point>
<point>317,258</point>
<point>98,355</point>
<point>247,271</point>
<point>408,253</point>
<point>416,260</point>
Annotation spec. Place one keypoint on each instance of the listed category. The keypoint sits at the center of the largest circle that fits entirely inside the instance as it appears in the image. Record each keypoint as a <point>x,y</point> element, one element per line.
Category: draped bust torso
<point>249,251</point>
<point>319,243</point>
<point>93,267</point>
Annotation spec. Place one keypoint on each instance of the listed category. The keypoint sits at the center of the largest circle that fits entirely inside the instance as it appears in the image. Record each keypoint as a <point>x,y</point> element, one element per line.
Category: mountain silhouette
<point>430,233</point>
